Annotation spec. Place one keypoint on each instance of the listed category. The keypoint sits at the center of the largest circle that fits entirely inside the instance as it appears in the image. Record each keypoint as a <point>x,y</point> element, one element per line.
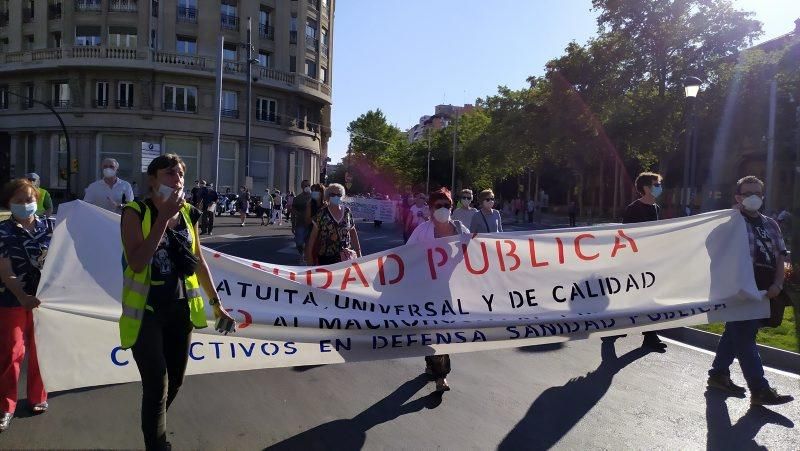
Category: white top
<point>108,197</point>
<point>424,233</point>
<point>464,215</point>
<point>419,214</point>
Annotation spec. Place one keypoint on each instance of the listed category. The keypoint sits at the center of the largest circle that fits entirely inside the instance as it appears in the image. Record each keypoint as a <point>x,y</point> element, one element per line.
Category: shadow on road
<point>549,347</point>
<point>559,409</point>
<point>302,369</point>
<point>722,434</point>
<point>350,434</point>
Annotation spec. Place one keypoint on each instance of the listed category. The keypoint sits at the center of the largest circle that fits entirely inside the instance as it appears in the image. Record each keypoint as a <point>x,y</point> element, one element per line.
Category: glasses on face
<point>466,198</point>
<point>752,193</point>
<point>490,199</point>
<point>656,185</point>
<point>441,205</point>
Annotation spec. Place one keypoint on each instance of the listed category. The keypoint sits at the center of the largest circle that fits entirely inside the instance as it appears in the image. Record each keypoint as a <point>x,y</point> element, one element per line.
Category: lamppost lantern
<point>691,86</point>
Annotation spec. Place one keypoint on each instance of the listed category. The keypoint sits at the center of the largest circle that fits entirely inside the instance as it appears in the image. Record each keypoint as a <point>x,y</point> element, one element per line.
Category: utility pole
<point>687,160</point>
<point>248,110</point>
<point>773,100</point>
<point>455,142</point>
<point>428,182</point>
<point>218,111</point>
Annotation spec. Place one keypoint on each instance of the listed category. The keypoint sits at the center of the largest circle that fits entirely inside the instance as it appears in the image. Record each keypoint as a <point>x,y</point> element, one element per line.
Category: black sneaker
<point>725,384</point>
<point>768,397</point>
<point>652,342</point>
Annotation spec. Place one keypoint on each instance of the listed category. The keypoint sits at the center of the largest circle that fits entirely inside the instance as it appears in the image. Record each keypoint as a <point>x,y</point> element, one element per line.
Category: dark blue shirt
<point>26,251</point>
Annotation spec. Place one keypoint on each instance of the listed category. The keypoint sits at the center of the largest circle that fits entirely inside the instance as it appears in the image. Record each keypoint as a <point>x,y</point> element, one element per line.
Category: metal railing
<point>293,37</point>
<point>325,49</point>
<point>129,6</point>
<point>233,66</point>
<point>87,5</point>
<point>312,43</point>
<point>179,107</point>
<point>268,117</point>
<point>124,104</point>
<point>230,113</point>
<point>54,11</point>
<point>187,14</point>
<point>229,22</point>
<point>266,31</point>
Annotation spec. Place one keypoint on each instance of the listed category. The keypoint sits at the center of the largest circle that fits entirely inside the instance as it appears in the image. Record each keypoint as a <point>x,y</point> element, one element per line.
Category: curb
<point>771,357</point>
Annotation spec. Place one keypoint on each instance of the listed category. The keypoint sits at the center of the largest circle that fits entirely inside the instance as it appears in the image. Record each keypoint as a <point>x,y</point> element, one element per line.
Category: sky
<point>407,56</point>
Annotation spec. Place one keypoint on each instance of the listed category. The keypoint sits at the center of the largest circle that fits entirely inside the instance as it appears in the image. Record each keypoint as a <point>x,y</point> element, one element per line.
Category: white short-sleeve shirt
<point>108,197</point>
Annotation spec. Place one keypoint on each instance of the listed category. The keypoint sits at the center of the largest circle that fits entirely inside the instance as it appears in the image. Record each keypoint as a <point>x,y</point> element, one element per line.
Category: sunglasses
<point>466,198</point>
<point>490,199</point>
<point>438,206</point>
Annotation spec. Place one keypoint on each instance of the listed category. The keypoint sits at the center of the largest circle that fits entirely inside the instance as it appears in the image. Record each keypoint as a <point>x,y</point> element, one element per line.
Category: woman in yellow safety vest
<point>161,299</point>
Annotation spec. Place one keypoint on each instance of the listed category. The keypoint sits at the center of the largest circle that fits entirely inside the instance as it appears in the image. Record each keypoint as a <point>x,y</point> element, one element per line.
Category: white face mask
<point>165,191</point>
<point>109,172</point>
<point>465,203</point>
<point>442,214</point>
<point>752,203</point>
<point>307,189</point>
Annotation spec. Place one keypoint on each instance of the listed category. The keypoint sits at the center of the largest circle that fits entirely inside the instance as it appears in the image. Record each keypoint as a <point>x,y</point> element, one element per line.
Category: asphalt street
<point>552,396</point>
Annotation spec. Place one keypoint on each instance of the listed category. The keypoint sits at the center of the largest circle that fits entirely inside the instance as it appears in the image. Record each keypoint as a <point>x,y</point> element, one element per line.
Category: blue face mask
<point>23,211</point>
<point>335,200</point>
<point>655,191</point>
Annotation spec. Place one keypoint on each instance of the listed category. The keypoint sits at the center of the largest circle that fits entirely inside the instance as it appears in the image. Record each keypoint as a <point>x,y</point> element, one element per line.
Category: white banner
<point>371,209</point>
<point>457,295</point>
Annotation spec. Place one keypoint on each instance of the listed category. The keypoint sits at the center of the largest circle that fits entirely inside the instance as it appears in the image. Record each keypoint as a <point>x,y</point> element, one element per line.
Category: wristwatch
<point>213,301</point>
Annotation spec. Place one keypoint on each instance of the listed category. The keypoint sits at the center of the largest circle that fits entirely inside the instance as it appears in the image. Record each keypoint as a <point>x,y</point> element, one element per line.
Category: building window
<point>125,94</point>
<point>129,6</point>
<point>28,11</point>
<point>189,151</point>
<point>263,59</point>
<point>324,41</point>
<point>54,11</point>
<point>187,11</point>
<point>323,74</point>
<point>301,116</point>
<point>58,162</point>
<point>229,57</point>
<point>265,28</point>
<point>293,30</point>
<point>311,34</point>
<point>311,69</point>
<point>180,98</point>
<point>229,104</point>
<point>324,4</point>
<point>60,94</point>
<point>228,16</point>
<point>186,45</point>
<point>266,109</point>
<point>261,159</point>
<point>87,35</point>
<point>3,97</point>
<point>228,165</point>
<point>29,91</point>
<point>123,37</point>
<point>292,63</point>
<point>55,39</point>
<point>101,94</point>
<point>29,42</point>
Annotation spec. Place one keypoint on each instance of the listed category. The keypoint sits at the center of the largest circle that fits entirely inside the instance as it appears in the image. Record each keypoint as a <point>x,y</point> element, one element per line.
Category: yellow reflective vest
<point>136,285</point>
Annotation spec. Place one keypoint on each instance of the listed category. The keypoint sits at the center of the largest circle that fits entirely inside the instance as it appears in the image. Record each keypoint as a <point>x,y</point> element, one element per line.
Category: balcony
<point>312,43</point>
<point>197,62</point>
<point>266,31</point>
<point>124,104</point>
<point>179,107</point>
<point>124,6</point>
<point>88,6</point>
<point>324,50</point>
<point>229,113</point>
<point>27,15</point>
<point>312,6</point>
<point>54,11</point>
<point>101,103</point>
<point>293,37</point>
<point>229,22</point>
<point>188,15</point>
<point>60,103</point>
<point>234,67</point>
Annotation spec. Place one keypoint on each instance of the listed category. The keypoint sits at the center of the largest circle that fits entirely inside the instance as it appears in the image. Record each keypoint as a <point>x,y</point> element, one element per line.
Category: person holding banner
<point>487,219</point>
<point>24,241</point>
<point>768,253</point>
<point>440,202</point>
<point>161,296</point>
<point>333,234</point>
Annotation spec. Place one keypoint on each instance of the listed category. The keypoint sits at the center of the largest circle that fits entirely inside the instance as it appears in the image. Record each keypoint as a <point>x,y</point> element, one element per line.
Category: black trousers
<point>207,222</point>
<point>161,352</point>
<point>439,364</point>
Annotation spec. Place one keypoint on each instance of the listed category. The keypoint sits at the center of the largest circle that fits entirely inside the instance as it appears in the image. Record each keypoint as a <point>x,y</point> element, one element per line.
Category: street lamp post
<point>691,89</point>
<point>66,138</point>
<point>428,179</point>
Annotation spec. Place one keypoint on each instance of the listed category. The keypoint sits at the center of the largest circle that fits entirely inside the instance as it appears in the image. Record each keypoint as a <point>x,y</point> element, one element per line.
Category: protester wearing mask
<point>44,205</point>
<point>645,209</point>
<point>24,241</point>
<point>243,203</point>
<point>163,274</point>
<point>465,211</point>
<point>333,235</point>
<point>110,192</point>
<point>417,214</point>
<point>487,219</point>
<point>768,254</point>
<point>442,225</point>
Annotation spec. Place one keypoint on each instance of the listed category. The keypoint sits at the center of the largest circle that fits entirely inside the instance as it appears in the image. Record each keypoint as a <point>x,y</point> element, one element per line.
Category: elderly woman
<point>163,279</point>
<point>24,240</point>
<point>333,235</point>
<point>440,203</point>
<point>464,212</point>
<point>487,219</point>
